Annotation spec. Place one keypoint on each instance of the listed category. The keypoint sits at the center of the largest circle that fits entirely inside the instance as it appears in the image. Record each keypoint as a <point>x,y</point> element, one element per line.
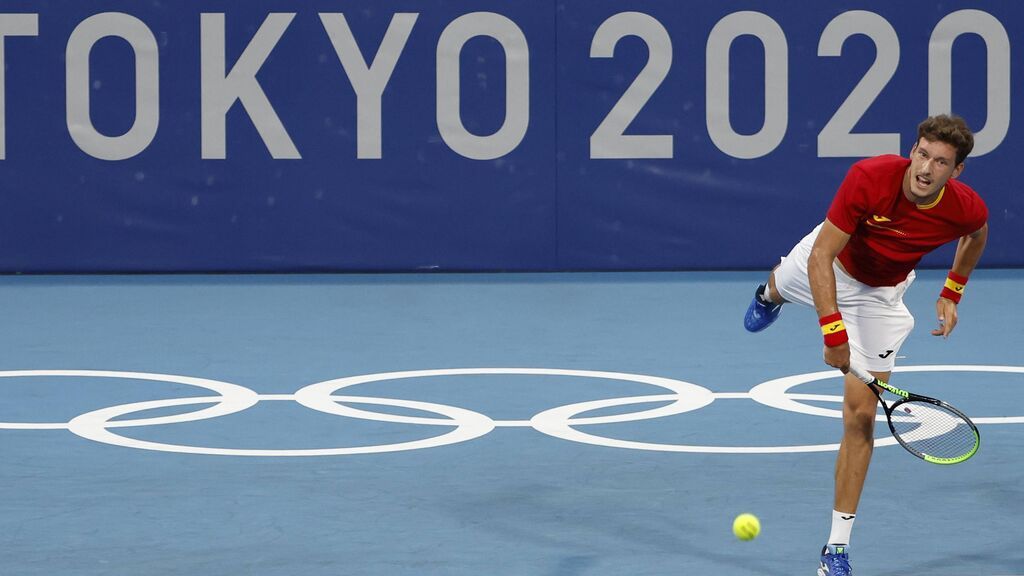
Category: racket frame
<point>904,396</point>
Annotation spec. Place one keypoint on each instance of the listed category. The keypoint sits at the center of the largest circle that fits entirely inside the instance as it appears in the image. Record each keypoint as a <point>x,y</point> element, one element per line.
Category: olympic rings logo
<point>463,425</point>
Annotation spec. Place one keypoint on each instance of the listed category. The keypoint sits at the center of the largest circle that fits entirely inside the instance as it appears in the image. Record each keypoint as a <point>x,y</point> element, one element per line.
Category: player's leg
<point>768,292</point>
<point>878,322</point>
<point>787,282</point>
<point>860,406</point>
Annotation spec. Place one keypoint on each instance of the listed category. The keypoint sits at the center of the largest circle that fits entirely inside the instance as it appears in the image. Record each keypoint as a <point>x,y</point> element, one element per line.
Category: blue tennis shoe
<point>835,561</point>
<point>760,314</point>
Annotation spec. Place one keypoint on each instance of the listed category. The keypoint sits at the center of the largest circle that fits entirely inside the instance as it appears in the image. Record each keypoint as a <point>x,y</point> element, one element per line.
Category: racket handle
<point>862,374</point>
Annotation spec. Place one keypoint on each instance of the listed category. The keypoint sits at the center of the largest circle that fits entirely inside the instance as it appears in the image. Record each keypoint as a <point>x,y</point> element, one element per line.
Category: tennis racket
<point>930,429</point>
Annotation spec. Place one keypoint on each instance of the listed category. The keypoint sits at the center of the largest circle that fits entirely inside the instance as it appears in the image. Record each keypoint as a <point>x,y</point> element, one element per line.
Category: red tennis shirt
<point>888,233</point>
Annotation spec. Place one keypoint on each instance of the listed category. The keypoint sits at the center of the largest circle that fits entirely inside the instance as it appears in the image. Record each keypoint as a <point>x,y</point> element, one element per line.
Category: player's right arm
<point>830,241</point>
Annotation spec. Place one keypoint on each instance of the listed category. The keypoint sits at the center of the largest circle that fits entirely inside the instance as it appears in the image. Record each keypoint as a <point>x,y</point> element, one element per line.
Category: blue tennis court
<point>456,424</point>
<point>457,287</point>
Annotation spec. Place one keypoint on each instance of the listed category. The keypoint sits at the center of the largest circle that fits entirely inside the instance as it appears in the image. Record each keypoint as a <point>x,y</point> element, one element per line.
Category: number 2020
<point>836,137</point>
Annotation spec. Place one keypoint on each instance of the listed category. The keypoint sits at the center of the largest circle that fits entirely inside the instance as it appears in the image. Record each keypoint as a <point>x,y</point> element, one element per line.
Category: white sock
<point>842,525</point>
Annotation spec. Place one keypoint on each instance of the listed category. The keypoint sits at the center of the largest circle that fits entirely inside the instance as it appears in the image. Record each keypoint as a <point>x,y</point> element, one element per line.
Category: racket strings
<point>933,430</point>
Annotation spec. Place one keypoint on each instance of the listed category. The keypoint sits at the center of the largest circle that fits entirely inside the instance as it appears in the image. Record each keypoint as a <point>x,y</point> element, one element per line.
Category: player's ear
<point>958,170</point>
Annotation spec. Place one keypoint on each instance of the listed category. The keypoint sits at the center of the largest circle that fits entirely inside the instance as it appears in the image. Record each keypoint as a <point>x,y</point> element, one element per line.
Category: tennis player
<point>854,268</point>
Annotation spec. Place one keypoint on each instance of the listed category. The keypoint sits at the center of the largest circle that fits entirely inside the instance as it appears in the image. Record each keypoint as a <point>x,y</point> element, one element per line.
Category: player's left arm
<point>968,252</point>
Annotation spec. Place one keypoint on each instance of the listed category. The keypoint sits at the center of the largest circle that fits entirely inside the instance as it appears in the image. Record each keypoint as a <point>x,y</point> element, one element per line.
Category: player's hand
<point>838,356</point>
<point>945,309</point>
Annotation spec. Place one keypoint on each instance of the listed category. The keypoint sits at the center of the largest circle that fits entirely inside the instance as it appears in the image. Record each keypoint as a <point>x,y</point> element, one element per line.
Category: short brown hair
<point>952,130</point>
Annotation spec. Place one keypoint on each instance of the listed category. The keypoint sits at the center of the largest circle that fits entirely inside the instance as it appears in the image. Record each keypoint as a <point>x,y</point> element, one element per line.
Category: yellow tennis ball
<point>746,527</point>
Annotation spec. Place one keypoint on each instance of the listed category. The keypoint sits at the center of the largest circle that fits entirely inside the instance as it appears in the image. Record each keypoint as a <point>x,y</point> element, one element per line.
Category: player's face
<point>931,165</point>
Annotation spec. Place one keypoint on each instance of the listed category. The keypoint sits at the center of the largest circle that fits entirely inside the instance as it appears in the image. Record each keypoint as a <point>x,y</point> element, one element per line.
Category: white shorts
<point>876,319</point>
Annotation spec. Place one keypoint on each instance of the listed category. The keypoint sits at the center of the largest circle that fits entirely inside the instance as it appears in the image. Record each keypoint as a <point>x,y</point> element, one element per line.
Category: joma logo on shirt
<point>878,221</point>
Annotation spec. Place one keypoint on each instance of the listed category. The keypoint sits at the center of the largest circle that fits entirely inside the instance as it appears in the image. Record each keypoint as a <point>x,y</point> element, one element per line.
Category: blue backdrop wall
<point>314,135</point>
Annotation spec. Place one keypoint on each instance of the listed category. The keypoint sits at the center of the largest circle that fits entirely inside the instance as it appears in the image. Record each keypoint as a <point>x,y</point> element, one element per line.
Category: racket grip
<point>862,374</point>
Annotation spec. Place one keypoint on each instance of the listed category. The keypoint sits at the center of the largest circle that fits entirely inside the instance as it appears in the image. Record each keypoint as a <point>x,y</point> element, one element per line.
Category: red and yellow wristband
<point>833,329</point>
<point>954,288</point>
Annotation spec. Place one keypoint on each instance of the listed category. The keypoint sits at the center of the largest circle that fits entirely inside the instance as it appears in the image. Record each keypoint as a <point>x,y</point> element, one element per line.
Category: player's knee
<point>860,420</point>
